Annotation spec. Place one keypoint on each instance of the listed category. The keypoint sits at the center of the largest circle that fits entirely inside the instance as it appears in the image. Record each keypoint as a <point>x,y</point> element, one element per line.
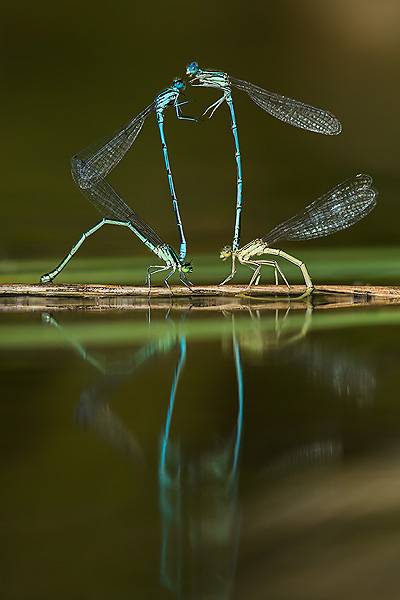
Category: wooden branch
<point>45,297</point>
<point>52,290</point>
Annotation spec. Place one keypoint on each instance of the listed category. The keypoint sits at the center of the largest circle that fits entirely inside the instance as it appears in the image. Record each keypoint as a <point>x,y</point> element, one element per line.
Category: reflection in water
<point>317,453</point>
<point>92,409</point>
<point>198,491</point>
<point>326,367</point>
<point>199,507</point>
<point>348,378</point>
<point>198,495</point>
<point>258,342</point>
<point>335,368</point>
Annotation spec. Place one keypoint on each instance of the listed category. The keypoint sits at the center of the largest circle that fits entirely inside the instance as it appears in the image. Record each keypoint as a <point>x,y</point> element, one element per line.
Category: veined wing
<point>290,111</point>
<point>104,197</point>
<point>338,209</point>
<point>98,159</point>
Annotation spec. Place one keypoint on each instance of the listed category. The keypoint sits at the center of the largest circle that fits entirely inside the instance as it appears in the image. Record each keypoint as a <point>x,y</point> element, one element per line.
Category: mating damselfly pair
<point>338,209</point>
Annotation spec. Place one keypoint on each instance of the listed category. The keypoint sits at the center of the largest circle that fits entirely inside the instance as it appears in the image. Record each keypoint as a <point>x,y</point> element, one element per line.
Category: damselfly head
<point>225,252</point>
<point>187,267</point>
<point>192,69</point>
<point>179,84</point>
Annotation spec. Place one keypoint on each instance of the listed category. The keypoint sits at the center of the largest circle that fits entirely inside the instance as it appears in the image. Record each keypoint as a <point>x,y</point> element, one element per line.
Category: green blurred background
<point>74,71</point>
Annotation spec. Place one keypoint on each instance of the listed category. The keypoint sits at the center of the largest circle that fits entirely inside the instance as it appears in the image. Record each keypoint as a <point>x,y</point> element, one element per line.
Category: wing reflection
<point>92,409</point>
<point>336,368</point>
<point>327,367</point>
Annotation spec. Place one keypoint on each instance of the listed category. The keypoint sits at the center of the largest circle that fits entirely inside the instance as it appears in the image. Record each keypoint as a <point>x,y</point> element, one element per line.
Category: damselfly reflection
<point>332,371</point>
<point>326,365</point>
<point>197,493</point>
<point>194,457</point>
<point>347,376</point>
<point>199,506</point>
<point>93,408</point>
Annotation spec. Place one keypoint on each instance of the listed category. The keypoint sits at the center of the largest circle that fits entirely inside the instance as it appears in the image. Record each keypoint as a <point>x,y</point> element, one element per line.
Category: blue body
<point>165,98</point>
<point>285,109</point>
<point>90,168</point>
<point>220,80</point>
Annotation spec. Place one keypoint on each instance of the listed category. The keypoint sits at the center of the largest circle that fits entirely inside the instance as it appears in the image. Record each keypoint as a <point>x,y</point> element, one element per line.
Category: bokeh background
<point>74,71</point>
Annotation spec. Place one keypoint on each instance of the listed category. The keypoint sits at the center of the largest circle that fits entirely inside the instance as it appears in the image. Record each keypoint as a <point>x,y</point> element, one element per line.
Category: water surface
<point>200,453</point>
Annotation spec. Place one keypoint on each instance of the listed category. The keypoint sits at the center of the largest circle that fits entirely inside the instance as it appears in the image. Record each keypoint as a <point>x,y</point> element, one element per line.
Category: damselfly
<point>100,158</point>
<point>286,109</point>
<point>122,214</point>
<point>90,167</point>
<point>338,209</point>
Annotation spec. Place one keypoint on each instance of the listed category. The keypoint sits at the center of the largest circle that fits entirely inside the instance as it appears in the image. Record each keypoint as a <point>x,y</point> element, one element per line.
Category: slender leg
<point>256,275</point>
<point>277,270</point>
<point>259,264</point>
<point>257,281</point>
<point>298,263</point>
<point>50,276</point>
<point>255,272</point>
<point>157,268</point>
<point>185,281</point>
<point>214,106</point>
<point>166,280</point>
<point>179,113</point>
<point>232,274</point>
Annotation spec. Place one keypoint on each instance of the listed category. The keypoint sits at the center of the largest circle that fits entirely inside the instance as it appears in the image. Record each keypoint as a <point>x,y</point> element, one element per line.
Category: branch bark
<point>93,290</point>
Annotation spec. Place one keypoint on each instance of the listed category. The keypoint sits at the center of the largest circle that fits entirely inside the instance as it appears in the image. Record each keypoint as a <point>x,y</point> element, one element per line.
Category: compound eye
<point>179,83</point>
<point>225,252</point>
<point>193,67</point>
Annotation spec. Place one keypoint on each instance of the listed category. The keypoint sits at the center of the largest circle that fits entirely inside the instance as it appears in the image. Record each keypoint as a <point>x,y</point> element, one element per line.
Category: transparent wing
<point>338,209</point>
<point>104,197</point>
<point>290,111</point>
<point>101,157</point>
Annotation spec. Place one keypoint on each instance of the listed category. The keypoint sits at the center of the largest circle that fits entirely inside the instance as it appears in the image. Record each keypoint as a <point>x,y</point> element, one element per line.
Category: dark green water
<point>206,454</point>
